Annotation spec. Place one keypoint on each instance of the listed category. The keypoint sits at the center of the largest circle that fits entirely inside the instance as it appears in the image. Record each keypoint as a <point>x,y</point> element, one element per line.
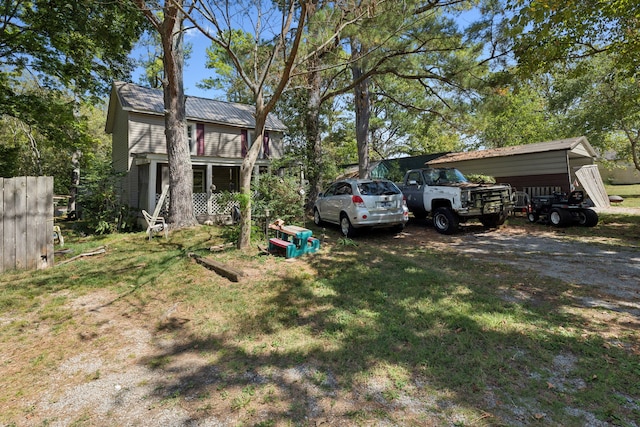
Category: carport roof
<point>570,144</point>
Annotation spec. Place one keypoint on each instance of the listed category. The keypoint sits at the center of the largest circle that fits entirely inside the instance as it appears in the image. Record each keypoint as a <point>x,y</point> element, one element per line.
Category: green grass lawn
<point>374,325</point>
<point>630,194</point>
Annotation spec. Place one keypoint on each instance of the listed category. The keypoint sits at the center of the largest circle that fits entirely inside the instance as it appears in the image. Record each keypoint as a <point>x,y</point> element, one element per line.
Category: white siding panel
<point>579,150</point>
<point>531,164</point>
<point>146,134</point>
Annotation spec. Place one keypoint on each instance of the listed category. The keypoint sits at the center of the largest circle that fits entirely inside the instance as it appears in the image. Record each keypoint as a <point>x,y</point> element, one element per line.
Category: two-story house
<point>218,133</point>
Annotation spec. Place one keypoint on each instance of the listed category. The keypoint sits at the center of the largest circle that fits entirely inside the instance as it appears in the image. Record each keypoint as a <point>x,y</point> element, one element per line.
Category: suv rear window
<point>378,188</point>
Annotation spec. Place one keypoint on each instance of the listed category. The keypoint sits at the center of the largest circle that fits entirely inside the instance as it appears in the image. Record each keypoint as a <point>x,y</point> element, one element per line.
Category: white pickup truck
<point>450,199</point>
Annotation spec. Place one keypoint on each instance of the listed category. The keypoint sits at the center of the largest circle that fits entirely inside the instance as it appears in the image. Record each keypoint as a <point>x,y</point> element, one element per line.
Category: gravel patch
<point>614,271</point>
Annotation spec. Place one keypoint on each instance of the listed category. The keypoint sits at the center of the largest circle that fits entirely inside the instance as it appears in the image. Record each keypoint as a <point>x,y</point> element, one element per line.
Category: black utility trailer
<point>562,209</point>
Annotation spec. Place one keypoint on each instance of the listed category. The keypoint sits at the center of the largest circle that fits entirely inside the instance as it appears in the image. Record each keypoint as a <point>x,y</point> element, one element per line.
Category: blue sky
<point>195,70</point>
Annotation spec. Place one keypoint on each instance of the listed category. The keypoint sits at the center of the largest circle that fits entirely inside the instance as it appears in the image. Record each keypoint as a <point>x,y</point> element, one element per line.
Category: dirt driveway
<point>552,252</point>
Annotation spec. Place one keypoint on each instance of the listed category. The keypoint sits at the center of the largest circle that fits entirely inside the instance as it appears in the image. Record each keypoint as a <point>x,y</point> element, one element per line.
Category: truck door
<point>413,190</point>
<point>434,178</point>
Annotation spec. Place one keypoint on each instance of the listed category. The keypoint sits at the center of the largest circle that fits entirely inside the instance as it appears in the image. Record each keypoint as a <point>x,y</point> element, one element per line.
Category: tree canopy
<point>53,56</point>
<point>551,30</point>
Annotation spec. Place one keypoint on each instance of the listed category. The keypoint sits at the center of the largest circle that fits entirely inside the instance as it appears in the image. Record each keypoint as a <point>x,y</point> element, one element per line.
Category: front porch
<point>213,207</point>
<point>214,179</point>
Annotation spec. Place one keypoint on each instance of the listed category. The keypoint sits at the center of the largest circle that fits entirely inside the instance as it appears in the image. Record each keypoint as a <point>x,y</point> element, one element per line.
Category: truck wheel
<point>533,216</point>
<point>445,221</point>
<point>345,226</point>
<point>587,218</point>
<point>559,217</point>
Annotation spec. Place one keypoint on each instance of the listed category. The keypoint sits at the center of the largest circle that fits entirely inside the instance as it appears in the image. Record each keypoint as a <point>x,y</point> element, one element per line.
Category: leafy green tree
<point>417,42</point>
<point>602,103</point>
<point>76,45</point>
<point>409,120</point>
<point>281,196</point>
<point>45,137</point>
<point>54,56</point>
<point>550,30</point>
<point>514,114</point>
<point>264,64</point>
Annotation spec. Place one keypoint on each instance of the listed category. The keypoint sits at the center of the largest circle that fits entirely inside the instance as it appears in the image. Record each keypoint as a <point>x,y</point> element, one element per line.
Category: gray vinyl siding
<point>225,142</point>
<point>277,149</point>
<point>146,134</point>
<point>120,141</point>
<point>550,162</point>
<point>222,141</point>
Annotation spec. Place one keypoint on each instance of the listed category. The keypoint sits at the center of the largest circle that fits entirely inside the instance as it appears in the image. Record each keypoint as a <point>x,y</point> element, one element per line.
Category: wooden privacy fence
<point>26,223</point>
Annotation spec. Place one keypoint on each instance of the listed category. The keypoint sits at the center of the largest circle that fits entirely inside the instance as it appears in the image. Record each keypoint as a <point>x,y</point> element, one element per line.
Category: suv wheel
<point>316,217</point>
<point>445,221</point>
<point>345,226</point>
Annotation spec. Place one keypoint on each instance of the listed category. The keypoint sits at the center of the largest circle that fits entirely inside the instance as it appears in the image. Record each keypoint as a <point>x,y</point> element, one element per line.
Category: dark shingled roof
<point>145,100</point>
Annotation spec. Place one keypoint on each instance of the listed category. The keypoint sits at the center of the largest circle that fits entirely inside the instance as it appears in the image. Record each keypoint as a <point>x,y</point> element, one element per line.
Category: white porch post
<point>209,183</point>
<point>151,186</point>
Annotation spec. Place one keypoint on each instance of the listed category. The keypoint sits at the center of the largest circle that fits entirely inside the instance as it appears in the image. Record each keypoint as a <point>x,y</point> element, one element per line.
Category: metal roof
<point>558,145</point>
<point>151,101</point>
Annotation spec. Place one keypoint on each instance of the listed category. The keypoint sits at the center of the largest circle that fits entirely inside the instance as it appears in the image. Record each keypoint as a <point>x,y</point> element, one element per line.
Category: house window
<point>192,147</point>
<point>195,137</point>
<point>200,139</point>
<point>199,181</point>
<point>266,150</point>
<point>244,142</point>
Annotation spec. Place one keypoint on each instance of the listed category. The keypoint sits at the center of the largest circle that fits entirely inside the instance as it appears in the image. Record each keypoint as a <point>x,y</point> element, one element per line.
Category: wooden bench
<point>289,247</point>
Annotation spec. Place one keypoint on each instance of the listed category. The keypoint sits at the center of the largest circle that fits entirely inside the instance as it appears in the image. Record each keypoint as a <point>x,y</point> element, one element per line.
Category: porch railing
<point>204,204</point>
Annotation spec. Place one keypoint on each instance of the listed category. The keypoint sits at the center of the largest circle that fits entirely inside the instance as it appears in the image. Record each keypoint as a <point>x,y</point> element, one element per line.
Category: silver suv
<point>359,203</point>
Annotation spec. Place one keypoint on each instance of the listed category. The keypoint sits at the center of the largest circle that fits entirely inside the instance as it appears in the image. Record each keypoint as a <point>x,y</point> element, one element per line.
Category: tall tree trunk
<point>246,171</point>
<point>72,204</point>
<point>363,115</point>
<point>181,213</point>
<point>312,124</point>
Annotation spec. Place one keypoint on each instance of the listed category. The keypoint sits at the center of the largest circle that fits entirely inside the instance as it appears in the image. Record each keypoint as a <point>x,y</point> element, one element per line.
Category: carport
<point>540,168</point>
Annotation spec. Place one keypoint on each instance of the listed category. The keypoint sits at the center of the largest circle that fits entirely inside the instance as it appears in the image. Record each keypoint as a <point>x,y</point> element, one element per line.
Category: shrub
<point>281,196</point>
<point>100,204</point>
<point>481,179</point>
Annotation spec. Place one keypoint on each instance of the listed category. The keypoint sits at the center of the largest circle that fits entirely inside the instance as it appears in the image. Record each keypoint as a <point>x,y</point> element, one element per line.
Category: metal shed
<point>536,168</point>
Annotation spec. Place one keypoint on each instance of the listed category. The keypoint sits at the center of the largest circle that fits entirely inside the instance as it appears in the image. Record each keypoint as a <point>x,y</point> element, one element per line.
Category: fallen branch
<point>97,251</point>
<point>218,267</point>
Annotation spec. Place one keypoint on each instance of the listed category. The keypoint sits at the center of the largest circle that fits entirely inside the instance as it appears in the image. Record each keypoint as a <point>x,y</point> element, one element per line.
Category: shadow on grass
<point>410,334</point>
<point>382,331</point>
